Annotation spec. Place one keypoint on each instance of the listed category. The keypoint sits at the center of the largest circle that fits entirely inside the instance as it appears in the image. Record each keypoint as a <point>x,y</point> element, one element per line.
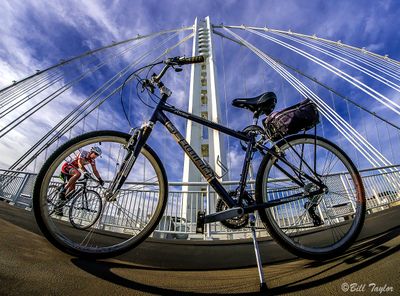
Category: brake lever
<point>172,61</point>
<point>178,69</point>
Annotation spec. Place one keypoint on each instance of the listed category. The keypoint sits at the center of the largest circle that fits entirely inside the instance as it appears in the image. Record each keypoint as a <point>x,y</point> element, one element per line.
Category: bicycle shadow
<point>357,258</point>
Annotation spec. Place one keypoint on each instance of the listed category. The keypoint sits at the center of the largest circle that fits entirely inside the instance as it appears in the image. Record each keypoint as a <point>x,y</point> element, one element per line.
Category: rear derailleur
<point>317,221</point>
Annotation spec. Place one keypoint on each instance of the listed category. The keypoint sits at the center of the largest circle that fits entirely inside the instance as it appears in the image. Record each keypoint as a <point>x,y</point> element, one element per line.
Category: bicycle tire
<point>85,219</point>
<point>311,241</point>
<point>96,239</point>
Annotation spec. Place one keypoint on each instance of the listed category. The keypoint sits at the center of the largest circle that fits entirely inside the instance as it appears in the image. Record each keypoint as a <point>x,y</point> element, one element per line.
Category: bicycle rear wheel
<point>85,209</point>
<point>123,223</point>
<point>314,227</point>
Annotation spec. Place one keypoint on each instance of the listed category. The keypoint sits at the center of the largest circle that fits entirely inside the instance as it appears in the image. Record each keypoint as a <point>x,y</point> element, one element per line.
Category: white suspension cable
<point>356,134</point>
<point>382,62</point>
<point>27,87</point>
<point>25,84</point>
<point>226,106</point>
<point>89,101</point>
<point>313,79</point>
<point>70,125</point>
<point>108,58</point>
<point>359,56</point>
<point>365,55</point>
<point>373,56</point>
<point>345,61</point>
<point>293,81</point>
<point>362,86</point>
<point>63,62</point>
<point>307,93</point>
<point>51,97</point>
<point>372,149</point>
<point>27,98</point>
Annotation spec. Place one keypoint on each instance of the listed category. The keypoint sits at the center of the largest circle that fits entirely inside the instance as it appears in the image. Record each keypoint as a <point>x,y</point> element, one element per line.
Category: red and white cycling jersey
<point>83,157</point>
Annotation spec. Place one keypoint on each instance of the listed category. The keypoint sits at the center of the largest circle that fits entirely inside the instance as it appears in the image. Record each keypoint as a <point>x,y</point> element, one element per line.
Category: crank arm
<point>223,215</point>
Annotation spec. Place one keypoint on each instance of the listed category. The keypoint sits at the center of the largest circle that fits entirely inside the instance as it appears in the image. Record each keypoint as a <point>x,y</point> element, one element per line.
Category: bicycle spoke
<point>330,167</point>
<point>130,216</point>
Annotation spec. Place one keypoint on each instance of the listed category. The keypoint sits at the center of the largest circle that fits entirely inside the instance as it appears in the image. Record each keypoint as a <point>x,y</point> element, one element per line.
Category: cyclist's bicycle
<point>308,193</point>
<point>82,205</point>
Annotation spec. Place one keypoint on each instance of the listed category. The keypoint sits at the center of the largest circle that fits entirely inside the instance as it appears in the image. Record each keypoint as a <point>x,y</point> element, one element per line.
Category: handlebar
<point>155,80</point>
<point>184,61</point>
<point>178,61</point>
<point>88,176</point>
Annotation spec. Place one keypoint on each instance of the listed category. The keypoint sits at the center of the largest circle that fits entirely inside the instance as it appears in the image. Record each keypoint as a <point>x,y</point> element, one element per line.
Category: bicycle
<point>84,205</point>
<point>298,175</point>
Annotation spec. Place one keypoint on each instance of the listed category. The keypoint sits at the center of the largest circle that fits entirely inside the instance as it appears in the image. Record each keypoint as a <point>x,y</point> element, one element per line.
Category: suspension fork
<point>134,146</point>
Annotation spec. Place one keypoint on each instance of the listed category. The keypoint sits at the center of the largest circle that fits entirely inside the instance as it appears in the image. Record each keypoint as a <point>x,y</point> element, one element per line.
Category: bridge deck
<point>29,265</point>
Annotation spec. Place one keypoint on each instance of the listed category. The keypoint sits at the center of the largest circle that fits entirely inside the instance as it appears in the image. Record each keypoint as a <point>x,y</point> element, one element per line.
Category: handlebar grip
<point>191,60</point>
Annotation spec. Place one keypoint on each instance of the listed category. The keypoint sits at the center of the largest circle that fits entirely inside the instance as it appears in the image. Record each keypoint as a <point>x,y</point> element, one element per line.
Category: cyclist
<point>70,172</point>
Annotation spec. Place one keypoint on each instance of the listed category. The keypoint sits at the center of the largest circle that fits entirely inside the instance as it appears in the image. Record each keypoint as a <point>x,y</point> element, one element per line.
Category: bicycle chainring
<point>236,222</point>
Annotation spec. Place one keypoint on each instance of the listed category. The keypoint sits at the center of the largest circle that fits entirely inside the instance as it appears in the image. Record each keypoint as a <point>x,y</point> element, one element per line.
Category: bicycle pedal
<point>200,221</point>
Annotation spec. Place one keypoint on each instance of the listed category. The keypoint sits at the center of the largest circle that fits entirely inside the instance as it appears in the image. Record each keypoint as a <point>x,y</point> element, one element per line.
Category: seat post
<point>255,118</point>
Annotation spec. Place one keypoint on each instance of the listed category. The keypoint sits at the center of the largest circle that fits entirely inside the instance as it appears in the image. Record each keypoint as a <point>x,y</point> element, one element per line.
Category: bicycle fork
<point>134,146</point>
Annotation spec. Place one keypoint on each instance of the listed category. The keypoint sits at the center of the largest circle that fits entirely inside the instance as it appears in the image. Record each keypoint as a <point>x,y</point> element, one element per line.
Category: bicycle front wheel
<point>123,222</point>
<point>85,209</point>
<point>313,226</point>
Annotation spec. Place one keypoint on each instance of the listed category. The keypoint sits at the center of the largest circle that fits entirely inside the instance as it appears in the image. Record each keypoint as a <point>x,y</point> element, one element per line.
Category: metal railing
<point>17,187</point>
<point>382,187</point>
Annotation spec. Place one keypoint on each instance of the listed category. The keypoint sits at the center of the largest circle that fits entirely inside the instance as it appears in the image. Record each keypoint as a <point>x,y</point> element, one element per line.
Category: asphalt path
<point>29,265</point>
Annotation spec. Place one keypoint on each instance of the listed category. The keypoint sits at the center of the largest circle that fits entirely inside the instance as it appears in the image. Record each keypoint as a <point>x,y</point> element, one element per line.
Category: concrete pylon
<point>203,101</point>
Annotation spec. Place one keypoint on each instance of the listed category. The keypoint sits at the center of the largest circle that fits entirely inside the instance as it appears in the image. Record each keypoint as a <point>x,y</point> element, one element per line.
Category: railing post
<point>320,213</point>
<point>208,204</point>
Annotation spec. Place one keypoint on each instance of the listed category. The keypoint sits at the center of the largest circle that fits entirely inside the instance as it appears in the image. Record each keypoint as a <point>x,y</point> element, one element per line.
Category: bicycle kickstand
<point>263,285</point>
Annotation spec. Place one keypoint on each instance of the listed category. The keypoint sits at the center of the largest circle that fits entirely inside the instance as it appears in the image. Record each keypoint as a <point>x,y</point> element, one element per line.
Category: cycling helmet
<point>96,150</point>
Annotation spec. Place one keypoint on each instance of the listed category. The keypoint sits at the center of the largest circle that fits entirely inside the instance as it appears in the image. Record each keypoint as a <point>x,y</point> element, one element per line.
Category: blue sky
<point>37,34</point>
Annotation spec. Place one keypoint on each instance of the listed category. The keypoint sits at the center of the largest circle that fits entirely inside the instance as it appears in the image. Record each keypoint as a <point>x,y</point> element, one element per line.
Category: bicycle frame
<point>138,140</point>
<point>73,194</point>
<point>234,210</point>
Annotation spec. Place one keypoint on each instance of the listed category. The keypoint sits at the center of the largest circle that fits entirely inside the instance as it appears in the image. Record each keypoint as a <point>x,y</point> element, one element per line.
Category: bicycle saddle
<point>264,103</point>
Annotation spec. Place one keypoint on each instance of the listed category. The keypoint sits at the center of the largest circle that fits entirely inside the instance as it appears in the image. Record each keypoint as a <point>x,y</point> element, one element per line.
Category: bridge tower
<point>203,101</point>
